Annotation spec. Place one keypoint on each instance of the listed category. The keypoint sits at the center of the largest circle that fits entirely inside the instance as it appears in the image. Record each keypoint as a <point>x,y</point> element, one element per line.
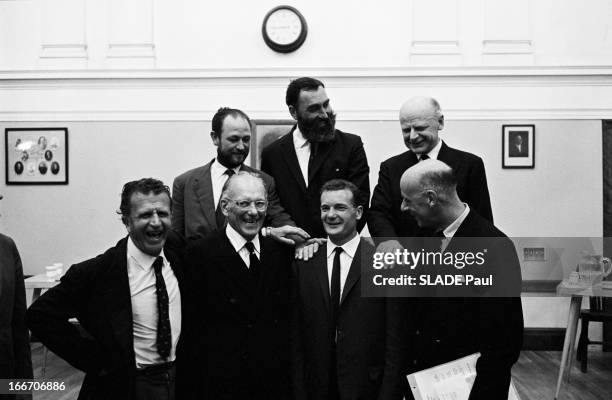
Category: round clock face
<point>284,29</point>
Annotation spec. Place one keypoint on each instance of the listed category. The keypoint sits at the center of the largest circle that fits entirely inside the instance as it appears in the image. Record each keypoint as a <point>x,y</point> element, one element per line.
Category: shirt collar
<point>143,260</point>
<point>217,169</point>
<point>298,139</point>
<point>238,241</point>
<point>433,153</point>
<point>450,230</point>
<point>349,247</point>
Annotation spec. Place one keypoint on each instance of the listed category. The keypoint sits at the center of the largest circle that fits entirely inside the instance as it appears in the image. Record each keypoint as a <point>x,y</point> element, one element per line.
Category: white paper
<point>449,381</point>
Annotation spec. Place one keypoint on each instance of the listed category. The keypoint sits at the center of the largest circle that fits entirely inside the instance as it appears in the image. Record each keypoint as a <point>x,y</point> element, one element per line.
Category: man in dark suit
<point>442,329</point>
<point>421,119</point>
<point>196,208</point>
<point>15,359</point>
<point>518,148</point>
<point>128,304</point>
<point>240,348</point>
<point>313,153</point>
<point>338,337</point>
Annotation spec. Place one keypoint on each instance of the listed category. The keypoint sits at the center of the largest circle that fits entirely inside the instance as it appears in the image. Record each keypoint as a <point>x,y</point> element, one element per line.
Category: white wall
<point>201,34</point>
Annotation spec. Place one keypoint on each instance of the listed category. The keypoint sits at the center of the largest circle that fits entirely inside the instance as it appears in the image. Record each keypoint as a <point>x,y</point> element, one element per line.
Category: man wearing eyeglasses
<point>239,347</point>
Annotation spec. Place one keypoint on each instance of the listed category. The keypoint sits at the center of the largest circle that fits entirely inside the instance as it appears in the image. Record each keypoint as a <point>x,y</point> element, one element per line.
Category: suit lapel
<point>445,155</point>
<point>204,192</point>
<point>268,267</point>
<point>286,142</point>
<point>353,275</point>
<point>229,261</point>
<point>320,270</point>
<point>118,302</point>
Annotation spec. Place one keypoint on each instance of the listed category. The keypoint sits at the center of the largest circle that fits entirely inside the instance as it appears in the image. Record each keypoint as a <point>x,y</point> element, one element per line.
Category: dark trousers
<point>155,383</point>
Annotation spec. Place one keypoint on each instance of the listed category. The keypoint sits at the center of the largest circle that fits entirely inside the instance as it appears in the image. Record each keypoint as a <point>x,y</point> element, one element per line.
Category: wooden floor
<point>535,376</point>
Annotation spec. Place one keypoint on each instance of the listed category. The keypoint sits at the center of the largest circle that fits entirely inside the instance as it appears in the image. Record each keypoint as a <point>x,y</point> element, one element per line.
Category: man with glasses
<point>239,347</point>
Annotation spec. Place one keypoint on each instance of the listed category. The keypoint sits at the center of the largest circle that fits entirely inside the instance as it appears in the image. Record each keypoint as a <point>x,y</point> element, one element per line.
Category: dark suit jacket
<point>343,158</point>
<point>240,350</point>
<point>15,359</point>
<point>514,151</point>
<point>97,293</point>
<point>387,220</point>
<point>362,332</point>
<point>193,206</point>
<point>445,329</point>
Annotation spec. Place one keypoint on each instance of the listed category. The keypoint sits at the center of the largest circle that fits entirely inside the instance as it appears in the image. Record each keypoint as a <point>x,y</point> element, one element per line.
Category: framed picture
<point>36,156</point>
<point>264,132</point>
<point>518,146</point>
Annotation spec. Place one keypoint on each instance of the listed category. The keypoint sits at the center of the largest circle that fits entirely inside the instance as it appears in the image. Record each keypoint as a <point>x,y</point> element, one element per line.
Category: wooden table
<point>564,289</point>
<point>39,282</point>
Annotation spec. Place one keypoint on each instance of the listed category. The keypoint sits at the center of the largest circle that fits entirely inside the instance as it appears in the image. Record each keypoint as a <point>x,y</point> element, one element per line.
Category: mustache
<point>318,129</point>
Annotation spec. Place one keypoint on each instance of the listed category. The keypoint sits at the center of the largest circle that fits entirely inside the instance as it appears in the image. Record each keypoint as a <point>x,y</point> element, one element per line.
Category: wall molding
<point>344,115</point>
<point>358,94</point>
<point>459,72</point>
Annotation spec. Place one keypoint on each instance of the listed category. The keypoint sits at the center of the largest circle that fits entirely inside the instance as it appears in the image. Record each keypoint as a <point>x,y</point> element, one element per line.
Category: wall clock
<point>284,29</point>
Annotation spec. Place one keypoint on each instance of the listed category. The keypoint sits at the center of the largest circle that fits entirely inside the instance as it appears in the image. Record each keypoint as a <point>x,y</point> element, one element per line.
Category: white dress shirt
<point>218,177</point>
<point>302,151</point>
<point>450,230</point>
<point>346,258</point>
<point>433,153</point>
<point>238,242</point>
<point>141,277</point>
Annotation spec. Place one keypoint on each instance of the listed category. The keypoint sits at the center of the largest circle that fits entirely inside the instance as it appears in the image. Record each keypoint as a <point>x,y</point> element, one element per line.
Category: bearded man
<point>312,153</point>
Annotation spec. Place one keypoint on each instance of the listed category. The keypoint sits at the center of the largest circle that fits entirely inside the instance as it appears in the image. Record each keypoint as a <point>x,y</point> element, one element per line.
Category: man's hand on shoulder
<point>287,234</point>
<point>389,246</point>
<point>308,249</point>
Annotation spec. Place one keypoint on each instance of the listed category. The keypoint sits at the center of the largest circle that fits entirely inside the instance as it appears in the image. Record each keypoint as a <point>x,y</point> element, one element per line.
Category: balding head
<point>420,120</point>
<point>244,203</point>
<point>429,192</point>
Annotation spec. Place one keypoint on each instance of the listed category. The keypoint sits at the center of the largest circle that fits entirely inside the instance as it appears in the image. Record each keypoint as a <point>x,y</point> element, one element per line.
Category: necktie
<point>424,157</point>
<point>333,393</point>
<point>335,289</point>
<point>311,164</point>
<point>253,260</point>
<point>218,213</point>
<point>164,334</point>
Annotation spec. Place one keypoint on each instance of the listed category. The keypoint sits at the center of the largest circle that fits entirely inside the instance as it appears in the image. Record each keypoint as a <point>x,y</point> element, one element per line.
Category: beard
<point>318,130</point>
<point>233,158</point>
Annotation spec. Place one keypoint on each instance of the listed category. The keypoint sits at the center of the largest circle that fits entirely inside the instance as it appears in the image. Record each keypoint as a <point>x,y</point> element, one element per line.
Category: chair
<point>597,312</point>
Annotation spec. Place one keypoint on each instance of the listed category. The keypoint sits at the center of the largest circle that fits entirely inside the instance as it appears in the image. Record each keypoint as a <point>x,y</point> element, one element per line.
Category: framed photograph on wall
<point>518,146</point>
<point>264,132</point>
<point>36,156</point>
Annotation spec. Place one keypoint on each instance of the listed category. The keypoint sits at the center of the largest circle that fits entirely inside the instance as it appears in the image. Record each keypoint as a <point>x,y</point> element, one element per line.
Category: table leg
<point>36,294</point>
<point>570,337</point>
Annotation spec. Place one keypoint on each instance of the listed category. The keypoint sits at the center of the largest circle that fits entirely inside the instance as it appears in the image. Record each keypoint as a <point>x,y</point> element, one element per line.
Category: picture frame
<point>518,146</point>
<point>263,133</point>
<point>36,156</point>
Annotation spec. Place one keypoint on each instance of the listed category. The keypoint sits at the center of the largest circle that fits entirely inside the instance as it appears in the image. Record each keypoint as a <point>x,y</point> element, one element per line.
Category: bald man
<point>442,329</point>
<point>421,119</point>
<point>239,348</point>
